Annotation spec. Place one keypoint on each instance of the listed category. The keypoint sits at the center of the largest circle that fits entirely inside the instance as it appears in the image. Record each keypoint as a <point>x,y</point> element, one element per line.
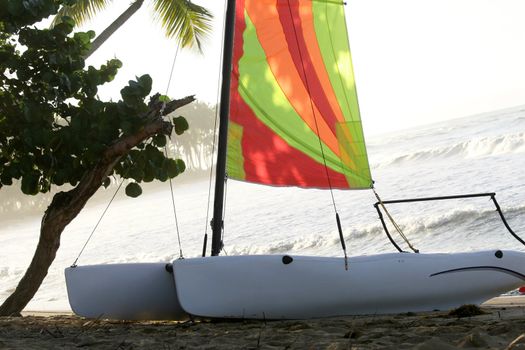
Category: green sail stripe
<point>332,38</point>
<point>354,155</point>
<point>261,91</point>
<point>235,158</point>
<point>331,31</point>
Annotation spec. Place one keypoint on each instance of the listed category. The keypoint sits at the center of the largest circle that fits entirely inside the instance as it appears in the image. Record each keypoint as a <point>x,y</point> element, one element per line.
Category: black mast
<point>220,174</point>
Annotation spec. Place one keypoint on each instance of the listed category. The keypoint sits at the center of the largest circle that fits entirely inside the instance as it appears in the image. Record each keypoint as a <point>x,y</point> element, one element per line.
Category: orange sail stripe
<point>263,14</point>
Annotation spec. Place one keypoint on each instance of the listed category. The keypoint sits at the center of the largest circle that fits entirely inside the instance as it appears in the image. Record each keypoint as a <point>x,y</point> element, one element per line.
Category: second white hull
<point>135,291</point>
<point>265,287</point>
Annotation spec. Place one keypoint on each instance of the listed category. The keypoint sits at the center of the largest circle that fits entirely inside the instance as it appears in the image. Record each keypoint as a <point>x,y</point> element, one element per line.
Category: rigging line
<point>344,90</point>
<point>338,221</point>
<point>214,140</point>
<point>224,213</point>
<point>394,223</point>
<point>172,70</point>
<point>338,70</point>
<point>99,220</point>
<point>312,108</point>
<point>181,256</point>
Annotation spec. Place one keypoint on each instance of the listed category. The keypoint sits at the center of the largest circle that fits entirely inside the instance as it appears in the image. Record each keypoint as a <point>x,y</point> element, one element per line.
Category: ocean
<point>481,153</point>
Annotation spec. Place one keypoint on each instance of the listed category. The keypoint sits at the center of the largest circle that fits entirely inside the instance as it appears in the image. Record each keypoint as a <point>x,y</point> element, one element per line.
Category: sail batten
<point>294,117</point>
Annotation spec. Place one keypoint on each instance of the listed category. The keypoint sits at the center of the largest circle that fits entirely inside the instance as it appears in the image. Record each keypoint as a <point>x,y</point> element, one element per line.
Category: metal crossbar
<point>492,196</point>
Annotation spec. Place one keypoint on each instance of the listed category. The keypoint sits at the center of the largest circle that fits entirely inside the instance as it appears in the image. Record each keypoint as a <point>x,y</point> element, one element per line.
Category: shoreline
<point>501,324</point>
<point>502,301</point>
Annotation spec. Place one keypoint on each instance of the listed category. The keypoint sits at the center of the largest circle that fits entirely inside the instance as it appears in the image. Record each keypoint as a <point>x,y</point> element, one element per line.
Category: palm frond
<point>82,11</point>
<point>184,20</point>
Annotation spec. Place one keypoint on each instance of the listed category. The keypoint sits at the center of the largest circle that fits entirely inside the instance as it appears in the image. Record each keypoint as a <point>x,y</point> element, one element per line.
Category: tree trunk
<point>113,27</point>
<point>65,206</point>
<point>44,255</point>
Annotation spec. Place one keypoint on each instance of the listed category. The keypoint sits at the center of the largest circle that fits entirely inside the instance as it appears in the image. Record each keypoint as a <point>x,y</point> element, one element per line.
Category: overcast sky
<point>416,61</point>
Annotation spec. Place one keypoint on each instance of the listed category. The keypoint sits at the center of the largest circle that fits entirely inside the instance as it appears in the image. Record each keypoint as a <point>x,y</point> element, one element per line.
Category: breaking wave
<point>371,238</point>
<point>474,148</point>
<point>460,218</point>
<point>327,244</point>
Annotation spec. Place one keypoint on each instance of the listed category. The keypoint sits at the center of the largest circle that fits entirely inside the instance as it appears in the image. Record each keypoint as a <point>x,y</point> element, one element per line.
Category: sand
<point>501,327</point>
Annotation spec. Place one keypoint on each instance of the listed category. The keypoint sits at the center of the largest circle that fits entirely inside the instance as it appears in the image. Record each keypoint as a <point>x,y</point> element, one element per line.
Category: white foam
<point>474,148</point>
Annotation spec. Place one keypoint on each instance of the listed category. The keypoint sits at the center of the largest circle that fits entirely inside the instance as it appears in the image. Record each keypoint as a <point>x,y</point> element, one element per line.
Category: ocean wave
<point>371,237</point>
<point>459,218</point>
<point>474,148</point>
<point>315,243</point>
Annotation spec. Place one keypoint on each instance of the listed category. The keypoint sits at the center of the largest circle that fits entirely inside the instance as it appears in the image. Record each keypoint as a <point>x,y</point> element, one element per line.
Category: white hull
<point>142,291</point>
<point>263,287</point>
<point>310,287</point>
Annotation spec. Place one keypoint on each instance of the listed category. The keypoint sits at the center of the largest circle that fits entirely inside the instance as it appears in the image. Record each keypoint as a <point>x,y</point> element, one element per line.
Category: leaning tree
<point>55,130</point>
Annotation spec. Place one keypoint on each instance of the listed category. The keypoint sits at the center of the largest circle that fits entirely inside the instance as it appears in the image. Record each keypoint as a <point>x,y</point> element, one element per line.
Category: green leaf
<point>30,183</point>
<point>164,98</point>
<point>83,38</point>
<point>181,125</point>
<point>133,190</point>
<point>181,165</point>
<point>159,140</point>
<point>68,20</point>
<point>145,83</point>
<point>136,173</point>
<point>172,168</point>
<point>5,179</point>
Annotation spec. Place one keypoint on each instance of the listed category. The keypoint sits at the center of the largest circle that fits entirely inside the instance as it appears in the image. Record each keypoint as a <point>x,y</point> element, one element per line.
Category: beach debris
<point>352,334</point>
<point>56,333</point>
<point>467,310</point>
<point>88,341</point>
<point>473,340</point>
<point>499,329</point>
<point>518,343</point>
<point>433,344</point>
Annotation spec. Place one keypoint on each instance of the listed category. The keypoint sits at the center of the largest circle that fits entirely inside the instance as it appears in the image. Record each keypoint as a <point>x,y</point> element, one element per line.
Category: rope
<point>181,256</point>
<point>98,222</point>
<point>313,110</point>
<point>343,245</point>
<point>224,212</point>
<point>120,185</point>
<point>398,229</point>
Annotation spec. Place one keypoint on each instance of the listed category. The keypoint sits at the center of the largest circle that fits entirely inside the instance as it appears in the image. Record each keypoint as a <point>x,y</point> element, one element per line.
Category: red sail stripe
<point>240,26</point>
<point>268,159</point>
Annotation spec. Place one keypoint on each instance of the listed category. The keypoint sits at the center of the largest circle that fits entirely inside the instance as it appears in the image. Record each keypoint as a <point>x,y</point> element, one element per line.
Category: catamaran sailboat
<point>289,116</point>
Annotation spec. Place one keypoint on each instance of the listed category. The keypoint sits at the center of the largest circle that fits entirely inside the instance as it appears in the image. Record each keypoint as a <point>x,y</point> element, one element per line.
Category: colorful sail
<point>294,115</point>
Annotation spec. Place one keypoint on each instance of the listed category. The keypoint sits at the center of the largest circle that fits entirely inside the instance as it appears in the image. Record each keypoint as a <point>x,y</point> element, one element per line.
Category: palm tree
<point>181,19</point>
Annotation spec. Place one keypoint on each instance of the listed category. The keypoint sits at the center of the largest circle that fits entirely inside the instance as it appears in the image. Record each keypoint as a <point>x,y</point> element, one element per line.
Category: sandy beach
<point>502,326</point>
